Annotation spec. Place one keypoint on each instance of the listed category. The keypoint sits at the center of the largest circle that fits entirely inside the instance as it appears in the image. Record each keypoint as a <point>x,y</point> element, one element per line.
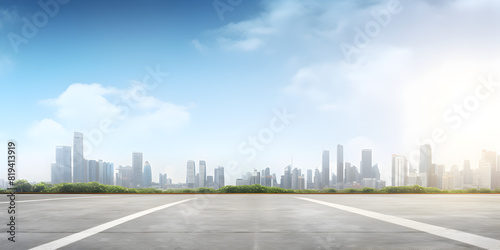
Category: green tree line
<point>94,187</point>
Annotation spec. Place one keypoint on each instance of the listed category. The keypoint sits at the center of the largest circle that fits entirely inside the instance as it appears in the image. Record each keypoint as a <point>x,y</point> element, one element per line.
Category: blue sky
<point>224,79</point>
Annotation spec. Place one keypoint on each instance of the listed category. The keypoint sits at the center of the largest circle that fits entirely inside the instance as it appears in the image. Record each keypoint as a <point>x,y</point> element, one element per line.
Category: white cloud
<point>399,84</point>
<point>243,45</point>
<point>84,105</point>
<point>45,128</point>
<point>131,113</point>
<point>200,47</point>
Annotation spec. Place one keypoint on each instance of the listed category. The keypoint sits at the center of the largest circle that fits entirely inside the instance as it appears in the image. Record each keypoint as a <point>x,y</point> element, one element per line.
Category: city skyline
<point>256,85</point>
<point>428,173</point>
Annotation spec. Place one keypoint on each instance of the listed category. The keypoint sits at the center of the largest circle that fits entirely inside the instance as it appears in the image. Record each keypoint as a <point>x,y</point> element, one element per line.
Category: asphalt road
<point>254,221</point>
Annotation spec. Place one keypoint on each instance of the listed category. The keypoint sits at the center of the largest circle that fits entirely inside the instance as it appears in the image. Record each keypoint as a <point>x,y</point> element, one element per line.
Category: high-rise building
<point>490,158</point>
<point>219,177</point>
<point>93,171</point>
<point>106,170</point>
<point>286,181</point>
<point>295,178</point>
<point>376,172</point>
<point>317,179</point>
<point>255,179</point>
<point>210,181</point>
<point>101,171</point>
<point>467,174</point>
<point>431,176</point>
<point>110,170</point>
<point>366,163</point>
<point>399,170</point>
<point>340,165</point>
<point>425,163</point>
<point>125,176</point>
<point>137,168</point>
<point>310,179</point>
<point>202,182</point>
<point>86,170</point>
<point>147,175</point>
<point>55,174</point>
<point>347,173</point>
<point>301,182</point>
<point>190,174</point>
<point>484,177</point>
<point>63,162</point>
<point>78,161</point>
<point>325,173</point>
<point>162,180</point>
<point>333,181</point>
<point>267,178</point>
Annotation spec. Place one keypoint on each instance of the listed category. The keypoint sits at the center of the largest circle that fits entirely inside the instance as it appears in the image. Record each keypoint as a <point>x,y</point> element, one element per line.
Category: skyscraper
<point>376,172</point>
<point>325,174</point>
<point>255,179</point>
<point>203,174</point>
<point>125,176</point>
<point>137,168</point>
<point>101,171</point>
<point>268,178</point>
<point>310,179</point>
<point>147,175</point>
<point>286,182</point>
<point>295,178</point>
<point>190,174</point>
<point>317,179</point>
<point>219,177</point>
<point>425,163</point>
<point>55,174</point>
<point>467,174</point>
<point>162,180</point>
<point>340,165</point>
<point>490,158</point>
<point>366,163</point>
<point>78,161</point>
<point>399,170</point>
<point>93,171</point>
<point>63,162</point>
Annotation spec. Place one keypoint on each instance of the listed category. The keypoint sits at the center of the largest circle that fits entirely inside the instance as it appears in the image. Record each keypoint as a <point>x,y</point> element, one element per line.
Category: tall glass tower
<point>147,177</point>
<point>340,165</point>
<point>137,169</point>
<point>366,163</point>
<point>63,163</point>
<point>202,174</point>
<point>325,174</point>
<point>79,171</point>
<point>190,175</point>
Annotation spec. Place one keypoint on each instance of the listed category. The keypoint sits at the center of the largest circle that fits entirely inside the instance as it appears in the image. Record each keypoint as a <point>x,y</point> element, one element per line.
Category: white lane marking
<point>53,199</point>
<point>468,238</point>
<point>97,229</point>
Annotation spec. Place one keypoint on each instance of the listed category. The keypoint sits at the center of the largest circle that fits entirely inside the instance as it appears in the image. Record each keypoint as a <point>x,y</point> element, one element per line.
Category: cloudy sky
<point>249,84</point>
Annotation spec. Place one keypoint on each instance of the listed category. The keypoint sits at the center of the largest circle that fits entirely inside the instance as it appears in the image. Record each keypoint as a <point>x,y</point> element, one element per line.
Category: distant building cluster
<point>138,175</point>
<point>75,168</point>
<point>429,174</point>
<point>201,179</point>
<point>347,175</point>
<point>71,166</point>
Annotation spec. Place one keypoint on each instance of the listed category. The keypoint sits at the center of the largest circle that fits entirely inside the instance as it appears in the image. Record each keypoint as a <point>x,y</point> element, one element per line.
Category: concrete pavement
<point>250,221</point>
